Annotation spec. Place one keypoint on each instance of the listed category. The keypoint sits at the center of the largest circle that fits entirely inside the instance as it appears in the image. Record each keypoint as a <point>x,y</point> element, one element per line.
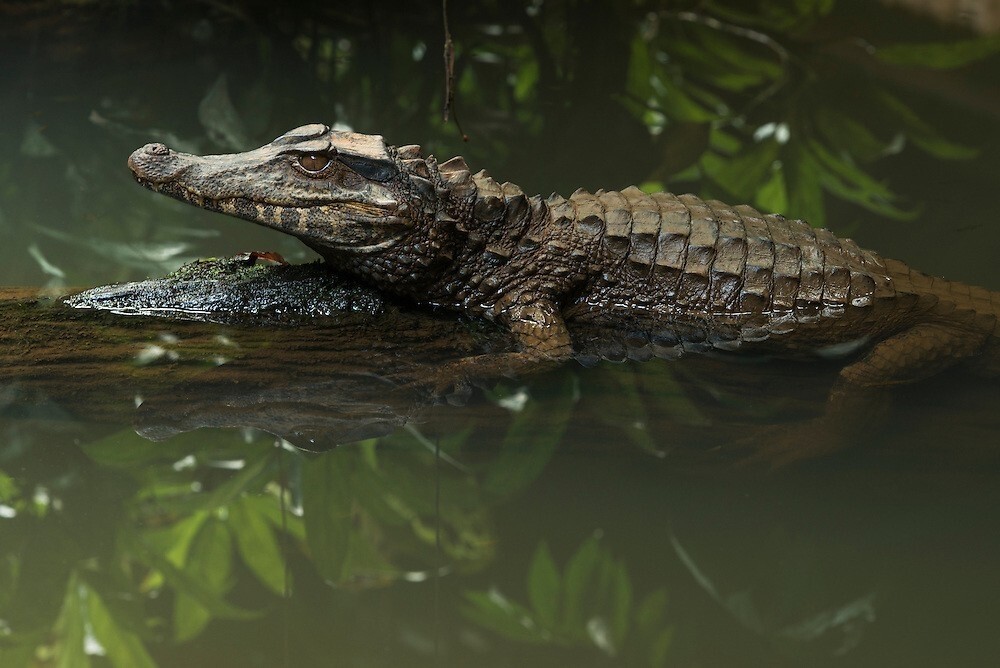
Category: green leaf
<point>257,544</point>
<point>742,174</point>
<point>327,505</point>
<point>849,182</point>
<point>209,562</point>
<point>941,55</point>
<point>8,488</point>
<point>124,648</point>
<point>543,586</point>
<point>843,131</point>
<point>527,77</point>
<point>772,198</point>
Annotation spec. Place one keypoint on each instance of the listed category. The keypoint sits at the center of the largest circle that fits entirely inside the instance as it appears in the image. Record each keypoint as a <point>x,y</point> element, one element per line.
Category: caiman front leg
<point>860,395</point>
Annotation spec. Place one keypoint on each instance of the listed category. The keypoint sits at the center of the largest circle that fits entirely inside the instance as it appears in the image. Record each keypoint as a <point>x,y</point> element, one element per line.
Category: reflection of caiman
<point>672,272</point>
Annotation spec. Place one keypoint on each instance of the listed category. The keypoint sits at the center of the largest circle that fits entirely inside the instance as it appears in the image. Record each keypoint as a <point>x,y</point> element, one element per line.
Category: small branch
<point>449,74</point>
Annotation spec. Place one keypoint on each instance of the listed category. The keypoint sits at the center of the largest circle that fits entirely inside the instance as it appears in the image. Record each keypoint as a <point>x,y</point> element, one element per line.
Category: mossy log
<point>298,352</point>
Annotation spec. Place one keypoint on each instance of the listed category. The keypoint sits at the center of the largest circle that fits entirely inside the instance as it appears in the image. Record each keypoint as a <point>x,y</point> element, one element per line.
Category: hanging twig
<point>449,74</point>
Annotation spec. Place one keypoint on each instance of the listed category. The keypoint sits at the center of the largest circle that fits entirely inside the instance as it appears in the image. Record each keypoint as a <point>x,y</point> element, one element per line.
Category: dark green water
<point>601,516</point>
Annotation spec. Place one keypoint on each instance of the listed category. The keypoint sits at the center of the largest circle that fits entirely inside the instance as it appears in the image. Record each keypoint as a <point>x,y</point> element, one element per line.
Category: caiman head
<point>349,196</point>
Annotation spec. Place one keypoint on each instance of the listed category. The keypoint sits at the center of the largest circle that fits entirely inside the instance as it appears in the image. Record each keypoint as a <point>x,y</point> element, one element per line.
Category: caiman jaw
<point>266,187</point>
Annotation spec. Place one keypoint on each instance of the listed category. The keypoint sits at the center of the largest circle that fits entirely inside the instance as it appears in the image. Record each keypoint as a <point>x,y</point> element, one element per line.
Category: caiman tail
<point>967,315</point>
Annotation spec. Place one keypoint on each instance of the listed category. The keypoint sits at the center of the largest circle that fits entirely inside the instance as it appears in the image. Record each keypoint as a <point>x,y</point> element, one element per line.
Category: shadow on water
<point>170,489</point>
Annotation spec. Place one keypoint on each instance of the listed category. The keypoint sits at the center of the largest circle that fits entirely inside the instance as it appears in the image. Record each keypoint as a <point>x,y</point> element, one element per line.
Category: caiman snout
<point>157,163</point>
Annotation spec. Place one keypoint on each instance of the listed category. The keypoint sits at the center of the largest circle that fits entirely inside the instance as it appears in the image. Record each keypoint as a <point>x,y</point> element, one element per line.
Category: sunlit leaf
<point>209,562</point>
<point>544,586</point>
<point>771,197</point>
<point>8,488</point>
<point>123,647</point>
<point>257,544</point>
<point>941,55</point>
<point>742,174</point>
<point>527,77</point>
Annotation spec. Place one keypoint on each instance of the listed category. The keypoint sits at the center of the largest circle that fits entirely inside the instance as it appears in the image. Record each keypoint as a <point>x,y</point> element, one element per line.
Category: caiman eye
<point>314,163</point>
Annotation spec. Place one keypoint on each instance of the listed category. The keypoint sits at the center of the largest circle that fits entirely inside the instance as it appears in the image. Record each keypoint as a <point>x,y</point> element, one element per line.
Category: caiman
<point>671,272</point>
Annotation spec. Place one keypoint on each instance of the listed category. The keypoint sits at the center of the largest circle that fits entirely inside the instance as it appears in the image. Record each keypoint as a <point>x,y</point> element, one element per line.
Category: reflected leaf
<point>71,629</point>
<point>123,647</point>
<point>269,508</point>
<point>578,584</point>
<point>182,582</point>
<point>492,610</point>
<point>258,545</point>
<point>651,625</point>
<point>254,473</point>
<point>209,562</point>
<point>327,504</point>
<point>530,441</point>
<point>543,586</point>
<point>163,257</point>
<point>16,655</point>
<point>595,596</point>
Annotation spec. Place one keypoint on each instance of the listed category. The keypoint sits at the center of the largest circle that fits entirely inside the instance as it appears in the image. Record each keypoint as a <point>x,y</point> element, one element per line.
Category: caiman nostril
<point>157,149</point>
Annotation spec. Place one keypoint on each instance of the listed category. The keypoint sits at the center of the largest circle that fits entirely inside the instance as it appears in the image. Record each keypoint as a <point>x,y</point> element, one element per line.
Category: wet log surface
<point>297,352</point>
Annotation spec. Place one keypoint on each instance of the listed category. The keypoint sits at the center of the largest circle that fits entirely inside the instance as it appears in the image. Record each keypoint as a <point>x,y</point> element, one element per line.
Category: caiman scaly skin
<point>671,272</point>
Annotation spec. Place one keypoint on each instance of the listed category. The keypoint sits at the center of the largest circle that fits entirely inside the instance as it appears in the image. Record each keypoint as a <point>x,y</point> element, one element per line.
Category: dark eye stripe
<point>372,169</point>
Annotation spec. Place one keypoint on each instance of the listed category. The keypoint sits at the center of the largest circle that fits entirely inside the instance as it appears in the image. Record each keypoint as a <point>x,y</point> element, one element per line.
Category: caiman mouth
<point>295,220</point>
